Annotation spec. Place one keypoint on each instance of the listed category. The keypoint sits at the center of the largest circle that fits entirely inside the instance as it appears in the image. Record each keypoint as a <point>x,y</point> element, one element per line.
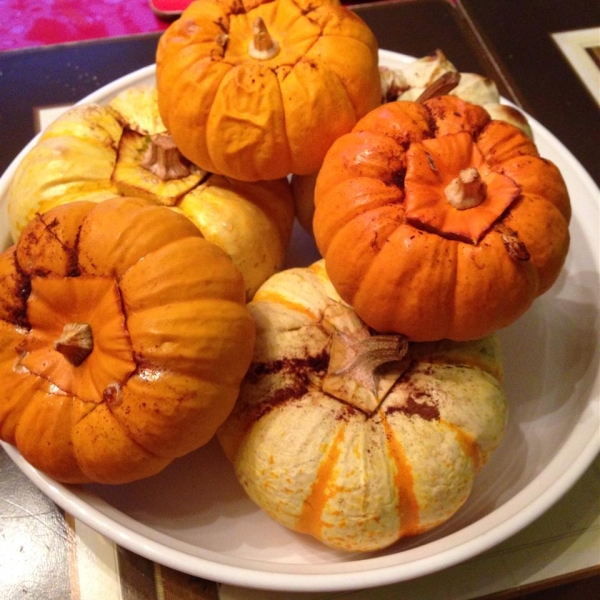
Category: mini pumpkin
<point>123,340</point>
<point>95,152</point>
<point>437,221</point>
<point>416,81</point>
<point>249,89</point>
<point>357,438</point>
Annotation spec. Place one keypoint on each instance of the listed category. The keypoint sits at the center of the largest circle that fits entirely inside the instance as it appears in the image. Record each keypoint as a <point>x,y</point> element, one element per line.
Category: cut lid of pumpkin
<point>78,338</point>
<point>451,190</point>
<point>151,166</point>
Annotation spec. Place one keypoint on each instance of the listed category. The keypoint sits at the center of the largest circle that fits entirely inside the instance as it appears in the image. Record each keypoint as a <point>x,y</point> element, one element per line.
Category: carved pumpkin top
<point>436,221</point>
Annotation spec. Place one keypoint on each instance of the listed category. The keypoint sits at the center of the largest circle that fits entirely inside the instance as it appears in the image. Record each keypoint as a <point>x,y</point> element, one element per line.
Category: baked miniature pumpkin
<point>356,438</point>
<point>416,81</point>
<point>123,340</point>
<point>95,152</point>
<point>258,89</point>
<point>436,221</point>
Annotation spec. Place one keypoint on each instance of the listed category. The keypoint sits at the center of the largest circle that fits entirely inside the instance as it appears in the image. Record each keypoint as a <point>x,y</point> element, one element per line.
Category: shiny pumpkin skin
<point>357,479</point>
<point>76,158</point>
<point>396,265</point>
<point>251,119</point>
<point>171,340</point>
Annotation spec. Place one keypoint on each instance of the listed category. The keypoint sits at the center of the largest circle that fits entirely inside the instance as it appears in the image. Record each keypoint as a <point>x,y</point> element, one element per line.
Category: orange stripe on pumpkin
<point>467,442</point>
<point>408,507</point>
<point>311,518</point>
<point>285,300</point>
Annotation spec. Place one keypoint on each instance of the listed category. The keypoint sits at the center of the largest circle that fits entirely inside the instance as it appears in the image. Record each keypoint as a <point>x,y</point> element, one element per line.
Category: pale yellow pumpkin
<point>95,152</point>
<point>356,438</point>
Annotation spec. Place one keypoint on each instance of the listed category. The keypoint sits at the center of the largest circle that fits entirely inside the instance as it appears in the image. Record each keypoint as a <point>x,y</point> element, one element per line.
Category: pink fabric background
<point>27,23</point>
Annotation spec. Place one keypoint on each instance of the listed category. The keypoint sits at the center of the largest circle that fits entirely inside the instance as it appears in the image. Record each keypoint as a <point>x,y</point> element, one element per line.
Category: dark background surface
<point>517,33</point>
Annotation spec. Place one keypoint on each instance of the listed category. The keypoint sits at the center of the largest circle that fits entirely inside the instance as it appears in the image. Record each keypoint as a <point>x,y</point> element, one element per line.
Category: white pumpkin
<point>356,438</point>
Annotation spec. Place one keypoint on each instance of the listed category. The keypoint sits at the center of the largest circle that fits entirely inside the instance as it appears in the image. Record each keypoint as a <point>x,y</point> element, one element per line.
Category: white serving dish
<point>194,516</point>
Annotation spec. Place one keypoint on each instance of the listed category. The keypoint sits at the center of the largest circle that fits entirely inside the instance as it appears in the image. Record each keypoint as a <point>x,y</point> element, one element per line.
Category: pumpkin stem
<point>75,343</point>
<point>163,159</point>
<point>262,46</point>
<point>467,190</point>
<point>358,372</point>
<point>440,87</point>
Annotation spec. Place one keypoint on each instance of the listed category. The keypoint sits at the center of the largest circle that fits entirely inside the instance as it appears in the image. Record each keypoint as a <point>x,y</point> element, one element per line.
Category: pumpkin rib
<point>142,288</point>
<point>364,154</point>
<point>541,227</point>
<point>142,231</point>
<point>106,454</point>
<point>355,198</point>
<point>230,156</point>
<point>187,85</point>
<point>418,313</point>
<point>200,348</point>
<point>361,103</point>
<point>451,114</point>
<point>403,122</point>
<point>361,252</point>
<point>500,141</point>
<point>549,185</point>
<point>141,413</point>
<point>46,441</point>
<point>318,97</point>
<point>491,281</point>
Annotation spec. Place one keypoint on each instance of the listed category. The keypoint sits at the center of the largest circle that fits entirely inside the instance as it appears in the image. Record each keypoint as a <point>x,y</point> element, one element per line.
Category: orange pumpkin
<point>248,88</point>
<point>436,221</point>
<point>124,337</point>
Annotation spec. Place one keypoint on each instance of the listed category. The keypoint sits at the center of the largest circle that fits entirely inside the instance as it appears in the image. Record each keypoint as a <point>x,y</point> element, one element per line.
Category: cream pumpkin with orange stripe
<point>354,437</point>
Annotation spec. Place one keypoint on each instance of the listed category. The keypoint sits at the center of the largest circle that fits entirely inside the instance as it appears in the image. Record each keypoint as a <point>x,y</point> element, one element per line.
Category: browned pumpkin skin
<point>407,259</point>
<point>239,113</point>
<point>123,340</point>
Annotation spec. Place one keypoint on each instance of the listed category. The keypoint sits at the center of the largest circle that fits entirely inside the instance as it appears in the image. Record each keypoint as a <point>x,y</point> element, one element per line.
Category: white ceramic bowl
<point>194,516</point>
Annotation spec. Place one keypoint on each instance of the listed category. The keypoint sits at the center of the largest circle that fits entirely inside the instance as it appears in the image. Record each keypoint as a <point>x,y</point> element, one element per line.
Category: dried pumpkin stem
<point>262,46</point>
<point>163,159</point>
<point>467,190</point>
<point>442,85</point>
<point>354,367</point>
<point>75,343</point>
